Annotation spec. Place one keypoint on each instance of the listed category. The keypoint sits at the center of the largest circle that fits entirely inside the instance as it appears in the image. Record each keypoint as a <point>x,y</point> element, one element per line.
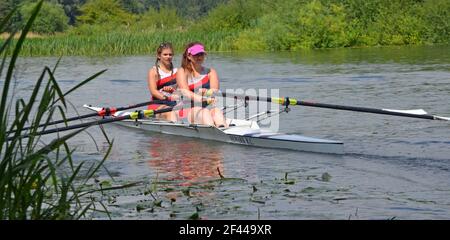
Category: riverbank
<point>144,43</point>
<point>122,43</point>
<point>250,25</point>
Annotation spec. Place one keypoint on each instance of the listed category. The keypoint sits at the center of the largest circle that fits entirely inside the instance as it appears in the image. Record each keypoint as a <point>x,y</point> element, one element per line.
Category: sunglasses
<point>199,54</point>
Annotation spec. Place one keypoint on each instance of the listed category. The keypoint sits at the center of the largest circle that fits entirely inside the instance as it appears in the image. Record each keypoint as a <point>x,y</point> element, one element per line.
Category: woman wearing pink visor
<point>193,77</point>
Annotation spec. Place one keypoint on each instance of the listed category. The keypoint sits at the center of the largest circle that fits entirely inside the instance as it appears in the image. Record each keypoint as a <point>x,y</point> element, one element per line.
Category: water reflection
<point>185,161</point>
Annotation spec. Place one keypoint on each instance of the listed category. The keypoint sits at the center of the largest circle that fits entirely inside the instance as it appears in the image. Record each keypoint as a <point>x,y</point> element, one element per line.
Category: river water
<point>393,167</point>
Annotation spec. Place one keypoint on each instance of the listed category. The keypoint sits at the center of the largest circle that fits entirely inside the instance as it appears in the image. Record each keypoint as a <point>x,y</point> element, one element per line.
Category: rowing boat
<point>243,132</point>
<point>240,131</point>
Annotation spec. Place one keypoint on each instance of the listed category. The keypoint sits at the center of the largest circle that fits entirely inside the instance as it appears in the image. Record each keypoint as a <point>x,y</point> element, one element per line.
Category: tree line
<point>248,24</point>
<point>65,13</point>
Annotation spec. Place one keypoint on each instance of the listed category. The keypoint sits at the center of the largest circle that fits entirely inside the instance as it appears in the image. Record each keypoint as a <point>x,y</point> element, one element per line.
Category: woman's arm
<point>213,80</point>
<point>213,84</point>
<point>152,87</point>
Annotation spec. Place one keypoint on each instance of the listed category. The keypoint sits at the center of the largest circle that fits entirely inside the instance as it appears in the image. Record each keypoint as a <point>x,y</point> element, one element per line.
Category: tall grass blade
<point>15,55</point>
<point>82,83</point>
<point>20,122</point>
<point>7,42</point>
<point>56,85</point>
<point>40,180</point>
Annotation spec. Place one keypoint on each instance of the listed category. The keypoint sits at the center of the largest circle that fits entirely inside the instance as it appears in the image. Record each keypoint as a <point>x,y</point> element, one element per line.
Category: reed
<point>122,43</point>
<point>39,180</point>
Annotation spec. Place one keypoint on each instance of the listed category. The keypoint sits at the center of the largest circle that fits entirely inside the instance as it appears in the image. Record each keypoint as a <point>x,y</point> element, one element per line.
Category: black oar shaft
<point>66,120</point>
<point>283,101</point>
<point>81,125</point>
<point>139,115</point>
<point>364,109</point>
<point>170,103</point>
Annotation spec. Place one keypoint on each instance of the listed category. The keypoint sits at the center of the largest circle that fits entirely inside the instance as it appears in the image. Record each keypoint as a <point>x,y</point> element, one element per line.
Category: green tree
<point>236,14</point>
<point>108,12</point>
<point>50,19</point>
<point>134,6</point>
<point>436,16</point>
<point>188,9</point>
<point>308,24</point>
<point>165,18</point>
<point>193,9</point>
<point>72,8</point>
<point>6,6</point>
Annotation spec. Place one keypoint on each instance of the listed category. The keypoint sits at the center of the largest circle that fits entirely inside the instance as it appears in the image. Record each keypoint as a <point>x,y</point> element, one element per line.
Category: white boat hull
<point>256,139</point>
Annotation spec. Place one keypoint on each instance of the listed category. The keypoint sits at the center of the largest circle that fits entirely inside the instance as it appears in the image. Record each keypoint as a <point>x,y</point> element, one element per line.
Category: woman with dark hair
<point>162,80</point>
<point>192,80</point>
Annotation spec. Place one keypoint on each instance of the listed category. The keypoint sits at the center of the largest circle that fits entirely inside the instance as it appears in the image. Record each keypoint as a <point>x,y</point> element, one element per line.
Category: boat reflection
<point>185,161</point>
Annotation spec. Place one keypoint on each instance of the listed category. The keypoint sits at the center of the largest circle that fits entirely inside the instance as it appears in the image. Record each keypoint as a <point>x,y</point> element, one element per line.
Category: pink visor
<point>196,49</point>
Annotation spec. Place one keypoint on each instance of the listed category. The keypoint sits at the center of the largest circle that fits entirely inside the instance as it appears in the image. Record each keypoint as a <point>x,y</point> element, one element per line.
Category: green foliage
<point>104,12</point>
<point>318,26</point>
<point>346,23</point>
<point>394,24</point>
<point>72,9</point>
<point>236,14</point>
<point>255,24</point>
<point>7,6</point>
<point>313,25</point>
<point>134,6</point>
<point>435,15</point>
<point>251,40</point>
<point>51,18</point>
<point>165,18</point>
<point>187,9</point>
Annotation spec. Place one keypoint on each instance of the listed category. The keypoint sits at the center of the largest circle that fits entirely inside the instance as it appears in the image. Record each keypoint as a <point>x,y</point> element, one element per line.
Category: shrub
<point>104,12</point>
<point>51,18</point>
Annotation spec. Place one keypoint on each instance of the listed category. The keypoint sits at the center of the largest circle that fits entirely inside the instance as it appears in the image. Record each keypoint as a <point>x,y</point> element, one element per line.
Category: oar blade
<point>418,112</point>
<point>98,109</point>
<point>411,111</point>
<point>442,118</point>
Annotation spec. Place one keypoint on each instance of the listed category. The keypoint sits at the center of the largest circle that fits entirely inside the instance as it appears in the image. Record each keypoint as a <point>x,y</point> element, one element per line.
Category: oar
<point>415,113</point>
<point>104,112</point>
<point>133,115</point>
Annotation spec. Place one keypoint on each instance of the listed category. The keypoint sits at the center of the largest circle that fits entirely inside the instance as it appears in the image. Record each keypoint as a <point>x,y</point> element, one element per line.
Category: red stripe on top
<point>196,85</point>
<point>163,81</point>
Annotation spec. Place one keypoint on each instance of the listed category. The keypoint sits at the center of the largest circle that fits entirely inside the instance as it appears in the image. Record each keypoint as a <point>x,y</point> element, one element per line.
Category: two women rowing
<point>188,85</point>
